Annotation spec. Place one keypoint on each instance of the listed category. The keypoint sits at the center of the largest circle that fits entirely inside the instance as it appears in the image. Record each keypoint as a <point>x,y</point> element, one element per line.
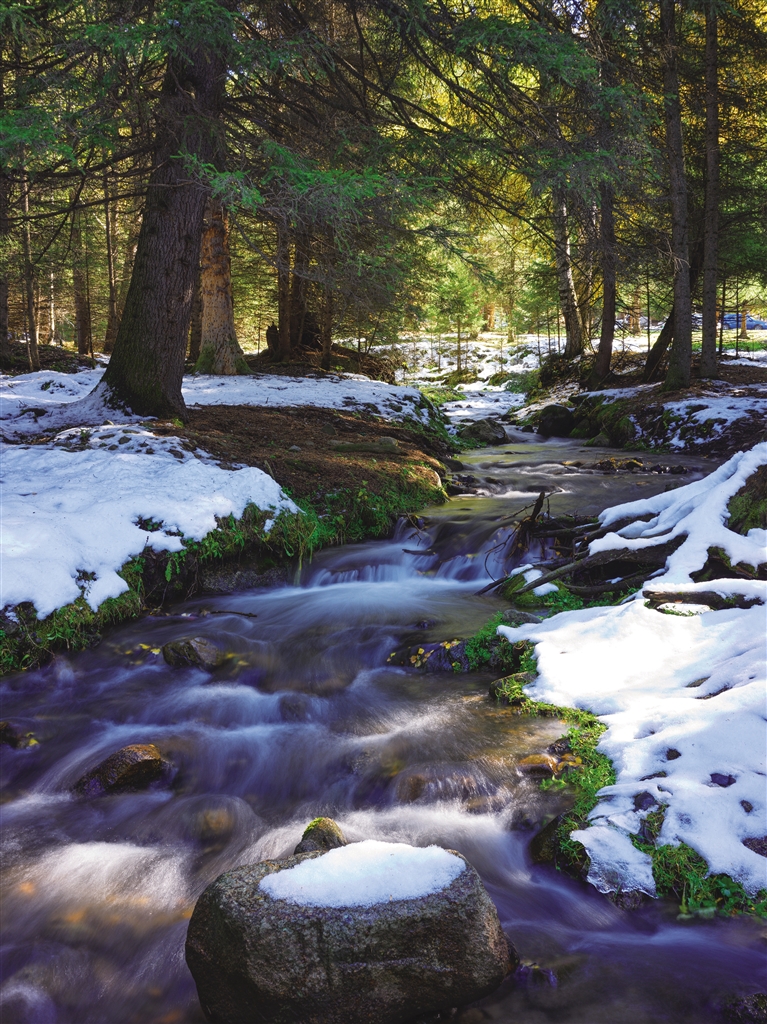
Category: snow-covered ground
<point>682,695</point>
<point>46,400</point>
<point>481,400</point>
<point>71,518</point>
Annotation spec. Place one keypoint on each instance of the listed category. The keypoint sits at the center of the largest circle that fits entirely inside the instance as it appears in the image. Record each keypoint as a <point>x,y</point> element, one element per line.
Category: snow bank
<point>70,516</point>
<point>363,874</point>
<point>682,696</point>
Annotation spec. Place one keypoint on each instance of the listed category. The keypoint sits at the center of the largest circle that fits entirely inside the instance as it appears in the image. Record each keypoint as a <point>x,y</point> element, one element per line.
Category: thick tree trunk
<point>708,356</point>
<point>283,290</point>
<point>29,279</point>
<point>79,283</point>
<point>146,370</point>
<point>680,362</point>
<point>607,245</point>
<point>566,285</point>
<point>219,350</point>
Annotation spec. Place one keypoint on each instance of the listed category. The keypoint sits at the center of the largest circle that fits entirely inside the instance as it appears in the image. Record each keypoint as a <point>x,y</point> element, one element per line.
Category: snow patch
<point>364,874</point>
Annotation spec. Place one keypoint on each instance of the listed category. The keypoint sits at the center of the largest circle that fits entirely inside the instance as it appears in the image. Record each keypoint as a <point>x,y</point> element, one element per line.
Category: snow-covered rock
<point>369,932</point>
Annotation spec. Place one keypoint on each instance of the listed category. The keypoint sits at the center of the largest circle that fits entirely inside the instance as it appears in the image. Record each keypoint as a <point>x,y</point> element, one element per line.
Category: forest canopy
<point>177,177</point>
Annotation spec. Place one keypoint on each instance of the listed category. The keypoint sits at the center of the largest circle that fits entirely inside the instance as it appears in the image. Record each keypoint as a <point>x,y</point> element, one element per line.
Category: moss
<point>682,874</point>
<point>155,577</point>
<point>487,649</point>
<point>748,508</point>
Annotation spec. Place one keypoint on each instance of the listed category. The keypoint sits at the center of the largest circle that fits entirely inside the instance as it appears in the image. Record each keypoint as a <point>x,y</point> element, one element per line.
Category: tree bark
<point>283,289</point>
<point>29,278</point>
<point>680,362</point>
<point>607,240</point>
<point>708,355</point>
<point>195,324</point>
<point>666,335</point>
<point>219,351</point>
<point>565,283</point>
<point>82,305</point>
<point>146,370</point>
<point>110,224</point>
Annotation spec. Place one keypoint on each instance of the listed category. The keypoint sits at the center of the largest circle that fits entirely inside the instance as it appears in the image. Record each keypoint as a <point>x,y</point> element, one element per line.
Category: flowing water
<point>308,719</point>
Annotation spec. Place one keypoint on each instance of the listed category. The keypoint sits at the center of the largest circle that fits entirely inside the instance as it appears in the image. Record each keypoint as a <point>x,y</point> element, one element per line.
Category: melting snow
<point>682,696</point>
<point>363,874</point>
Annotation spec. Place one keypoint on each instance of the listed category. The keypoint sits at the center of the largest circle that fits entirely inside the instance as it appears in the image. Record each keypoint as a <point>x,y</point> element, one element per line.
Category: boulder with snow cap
<point>371,932</point>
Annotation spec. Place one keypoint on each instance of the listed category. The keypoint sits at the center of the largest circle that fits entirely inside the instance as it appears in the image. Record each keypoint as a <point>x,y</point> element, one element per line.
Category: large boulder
<point>484,431</point>
<point>556,421</point>
<point>370,933</point>
<point>130,768</point>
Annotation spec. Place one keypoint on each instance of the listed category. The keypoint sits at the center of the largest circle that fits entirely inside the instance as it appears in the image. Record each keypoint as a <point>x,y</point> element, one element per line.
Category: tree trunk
<point>52,311</point>
<point>566,285</point>
<point>708,357</point>
<point>680,362</point>
<point>82,305</point>
<point>29,278</point>
<point>298,288</point>
<point>283,290</point>
<point>219,351</point>
<point>607,240</point>
<point>195,323</point>
<point>5,229</point>
<point>146,370</point>
<point>327,327</point>
<point>110,224</point>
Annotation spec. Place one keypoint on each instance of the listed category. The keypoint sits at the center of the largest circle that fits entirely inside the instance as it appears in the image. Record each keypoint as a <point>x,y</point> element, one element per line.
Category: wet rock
<point>560,747</point>
<point>321,835</point>
<point>14,735</point>
<point>199,651</point>
<point>539,766</point>
<point>631,900</point>
<point>448,656</point>
<point>644,801</point>
<point>484,431</point>
<point>380,964</point>
<point>228,579</point>
<point>544,846</point>
<point>516,617</point>
<point>499,688</point>
<point>556,421</point>
<point>130,768</point>
<point>600,441</point>
<point>672,754</point>
<point>746,1009</point>
<point>294,707</point>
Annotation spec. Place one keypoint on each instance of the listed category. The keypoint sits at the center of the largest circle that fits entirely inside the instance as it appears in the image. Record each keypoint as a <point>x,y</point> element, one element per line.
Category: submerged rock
<point>321,835</point>
<point>131,768</point>
<point>13,735</point>
<point>196,650</point>
<point>485,431</point>
<point>255,955</point>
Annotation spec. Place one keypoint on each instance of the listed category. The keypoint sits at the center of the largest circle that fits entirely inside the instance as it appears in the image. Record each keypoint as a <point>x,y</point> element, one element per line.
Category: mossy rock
<point>748,507</point>
<point>322,834</point>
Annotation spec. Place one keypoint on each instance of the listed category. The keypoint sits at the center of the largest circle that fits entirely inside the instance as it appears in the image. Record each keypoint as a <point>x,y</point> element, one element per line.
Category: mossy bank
<point>351,478</point>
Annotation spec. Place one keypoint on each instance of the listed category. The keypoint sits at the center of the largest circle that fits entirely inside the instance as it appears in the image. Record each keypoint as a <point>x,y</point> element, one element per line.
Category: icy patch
<point>364,874</point>
<point>72,518</point>
<point>614,859</point>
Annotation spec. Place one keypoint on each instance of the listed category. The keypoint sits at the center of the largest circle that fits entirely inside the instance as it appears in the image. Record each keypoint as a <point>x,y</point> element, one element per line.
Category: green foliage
<point>682,874</point>
<point>439,395</point>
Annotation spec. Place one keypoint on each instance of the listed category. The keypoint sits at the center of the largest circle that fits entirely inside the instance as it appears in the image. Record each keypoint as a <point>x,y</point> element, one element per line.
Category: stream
<point>309,719</point>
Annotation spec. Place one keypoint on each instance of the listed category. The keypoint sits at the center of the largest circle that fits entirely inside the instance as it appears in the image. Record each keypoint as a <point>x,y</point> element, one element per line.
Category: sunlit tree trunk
<point>195,324</point>
<point>566,285</point>
<point>680,361</point>
<point>219,351</point>
<point>29,278</point>
<point>708,355</point>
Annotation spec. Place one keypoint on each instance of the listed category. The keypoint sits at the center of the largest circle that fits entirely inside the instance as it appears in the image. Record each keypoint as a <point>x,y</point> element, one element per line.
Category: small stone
<point>757,845</point>
<point>196,650</point>
<point>722,780</point>
<point>672,755</point>
<point>644,801</point>
<point>747,806</point>
<point>130,768</point>
<point>329,429</point>
<point>322,834</point>
<point>294,448</point>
